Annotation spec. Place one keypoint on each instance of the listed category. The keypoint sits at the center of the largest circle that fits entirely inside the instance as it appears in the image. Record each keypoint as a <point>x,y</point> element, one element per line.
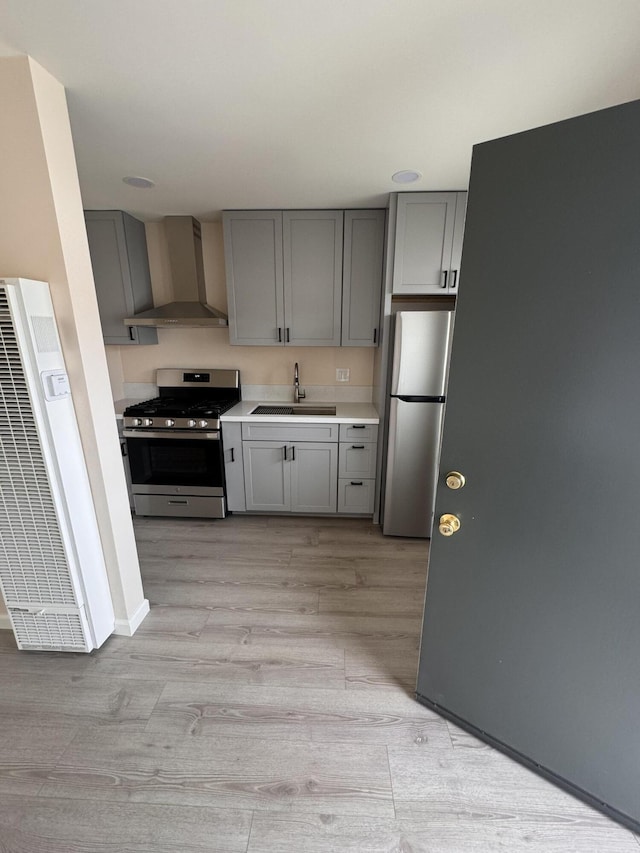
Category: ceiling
<point>312,103</point>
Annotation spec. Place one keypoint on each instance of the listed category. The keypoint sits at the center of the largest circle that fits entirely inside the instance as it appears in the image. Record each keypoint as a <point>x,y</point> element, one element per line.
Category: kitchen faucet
<point>297,393</point>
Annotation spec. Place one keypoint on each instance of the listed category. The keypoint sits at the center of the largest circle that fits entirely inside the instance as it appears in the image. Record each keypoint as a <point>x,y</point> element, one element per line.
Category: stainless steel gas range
<point>174,443</point>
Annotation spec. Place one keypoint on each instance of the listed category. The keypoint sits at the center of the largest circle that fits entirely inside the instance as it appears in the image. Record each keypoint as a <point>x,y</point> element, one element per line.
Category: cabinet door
<point>267,476</point>
<point>233,467</point>
<point>424,240</point>
<point>362,277</point>
<point>314,477</point>
<point>312,245</point>
<point>458,234</point>
<point>253,260</point>
<point>118,248</point>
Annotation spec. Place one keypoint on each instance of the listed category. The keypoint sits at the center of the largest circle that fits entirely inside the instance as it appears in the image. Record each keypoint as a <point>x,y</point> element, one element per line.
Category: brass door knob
<point>455,480</point>
<point>449,524</point>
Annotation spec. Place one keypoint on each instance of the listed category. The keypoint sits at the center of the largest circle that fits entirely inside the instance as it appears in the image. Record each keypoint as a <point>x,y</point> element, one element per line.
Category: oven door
<point>171,463</point>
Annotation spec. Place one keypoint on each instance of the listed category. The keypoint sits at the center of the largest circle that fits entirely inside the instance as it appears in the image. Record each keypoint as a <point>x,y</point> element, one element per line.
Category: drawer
<point>180,507</point>
<point>357,460</point>
<point>357,433</point>
<point>356,496</point>
<point>290,432</point>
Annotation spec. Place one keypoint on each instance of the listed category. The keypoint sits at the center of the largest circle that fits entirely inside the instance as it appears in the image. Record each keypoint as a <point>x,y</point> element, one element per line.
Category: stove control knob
<point>191,422</point>
<point>137,422</point>
<point>147,422</point>
<point>203,424</point>
<point>169,422</point>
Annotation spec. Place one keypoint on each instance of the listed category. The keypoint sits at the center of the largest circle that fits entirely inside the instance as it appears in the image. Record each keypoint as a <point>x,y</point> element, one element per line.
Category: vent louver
<point>53,631</point>
<point>33,563</point>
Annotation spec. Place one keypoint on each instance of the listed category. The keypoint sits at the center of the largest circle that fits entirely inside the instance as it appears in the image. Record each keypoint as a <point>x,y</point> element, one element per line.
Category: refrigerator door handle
<point>418,398</point>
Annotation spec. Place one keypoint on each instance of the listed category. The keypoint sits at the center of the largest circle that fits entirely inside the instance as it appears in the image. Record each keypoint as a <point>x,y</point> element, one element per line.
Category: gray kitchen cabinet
<point>290,477</point>
<point>233,467</point>
<point>118,248</point>
<point>428,243</point>
<point>253,261</point>
<point>292,280</point>
<point>362,277</point>
<point>312,268</point>
<point>284,276</point>
<point>357,468</point>
<point>290,467</point>
<point>356,497</point>
<point>267,476</point>
<point>314,476</point>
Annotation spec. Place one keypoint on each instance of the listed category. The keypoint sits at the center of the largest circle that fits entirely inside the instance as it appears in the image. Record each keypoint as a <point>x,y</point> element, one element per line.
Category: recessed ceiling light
<point>407,176</point>
<point>140,183</point>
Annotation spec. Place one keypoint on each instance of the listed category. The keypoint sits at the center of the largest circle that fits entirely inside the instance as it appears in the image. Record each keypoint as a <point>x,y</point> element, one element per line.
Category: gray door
<point>532,629</point>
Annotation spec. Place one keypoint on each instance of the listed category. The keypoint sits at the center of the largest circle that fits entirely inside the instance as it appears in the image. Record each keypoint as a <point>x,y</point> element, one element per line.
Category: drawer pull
<point>357,483</point>
<point>358,426</point>
<point>178,503</point>
<point>357,446</point>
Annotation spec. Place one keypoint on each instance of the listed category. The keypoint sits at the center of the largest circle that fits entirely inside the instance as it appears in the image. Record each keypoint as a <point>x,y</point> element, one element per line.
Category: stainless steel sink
<point>318,411</point>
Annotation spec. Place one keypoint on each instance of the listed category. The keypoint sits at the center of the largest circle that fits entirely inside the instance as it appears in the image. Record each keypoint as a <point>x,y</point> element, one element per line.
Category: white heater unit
<point>52,573</point>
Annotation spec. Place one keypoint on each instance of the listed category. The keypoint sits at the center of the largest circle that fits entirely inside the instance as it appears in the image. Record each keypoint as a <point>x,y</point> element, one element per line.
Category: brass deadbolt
<point>449,524</point>
<point>455,480</point>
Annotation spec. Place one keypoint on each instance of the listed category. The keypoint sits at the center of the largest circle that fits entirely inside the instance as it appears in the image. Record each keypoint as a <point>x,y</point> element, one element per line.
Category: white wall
<point>42,236</point>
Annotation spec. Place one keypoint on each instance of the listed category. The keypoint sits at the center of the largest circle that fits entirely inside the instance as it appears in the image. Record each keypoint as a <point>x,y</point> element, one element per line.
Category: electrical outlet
<point>342,374</point>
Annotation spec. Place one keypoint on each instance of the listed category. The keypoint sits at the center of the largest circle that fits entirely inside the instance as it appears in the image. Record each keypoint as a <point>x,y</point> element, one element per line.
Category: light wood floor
<point>266,706</point>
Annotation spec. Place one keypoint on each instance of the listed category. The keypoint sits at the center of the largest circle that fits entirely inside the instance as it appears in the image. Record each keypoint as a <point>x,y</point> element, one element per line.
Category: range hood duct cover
<point>190,309</point>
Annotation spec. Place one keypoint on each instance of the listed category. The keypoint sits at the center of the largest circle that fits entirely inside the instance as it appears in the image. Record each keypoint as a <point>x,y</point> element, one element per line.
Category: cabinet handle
<point>445,275</point>
<point>358,426</point>
<point>375,336</point>
<point>284,450</point>
<point>454,279</point>
<point>288,339</point>
<point>132,333</point>
<point>123,449</point>
<point>233,458</point>
<point>293,454</point>
<point>178,503</point>
<point>356,483</point>
<point>357,446</point>
<point>279,334</point>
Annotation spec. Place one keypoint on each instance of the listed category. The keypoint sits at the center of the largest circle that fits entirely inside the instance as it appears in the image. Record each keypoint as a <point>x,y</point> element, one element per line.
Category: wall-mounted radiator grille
<point>33,562</point>
<point>44,631</point>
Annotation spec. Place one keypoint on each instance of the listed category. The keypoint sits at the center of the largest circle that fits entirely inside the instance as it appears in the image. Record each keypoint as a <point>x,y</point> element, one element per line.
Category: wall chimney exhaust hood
<point>187,272</point>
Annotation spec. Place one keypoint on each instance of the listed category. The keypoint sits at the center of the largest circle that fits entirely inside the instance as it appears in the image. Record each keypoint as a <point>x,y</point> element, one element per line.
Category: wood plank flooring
<point>264,706</point>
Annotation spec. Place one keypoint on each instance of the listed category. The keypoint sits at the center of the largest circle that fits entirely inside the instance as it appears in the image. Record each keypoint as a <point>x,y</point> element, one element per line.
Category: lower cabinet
<point>356,496</point>
<point>290,477</point>
<point>303,468</point>
<point>233,467</point>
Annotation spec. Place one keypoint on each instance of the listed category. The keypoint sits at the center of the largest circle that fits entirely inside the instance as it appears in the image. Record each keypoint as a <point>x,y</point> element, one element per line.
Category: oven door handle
<point>183,435</point>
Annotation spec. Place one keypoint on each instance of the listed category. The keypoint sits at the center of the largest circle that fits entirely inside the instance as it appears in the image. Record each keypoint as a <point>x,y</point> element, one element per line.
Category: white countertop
<point>356,413</point>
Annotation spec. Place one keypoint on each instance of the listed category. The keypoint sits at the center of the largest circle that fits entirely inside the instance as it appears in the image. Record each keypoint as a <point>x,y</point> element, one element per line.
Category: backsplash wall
<point>266,372</point>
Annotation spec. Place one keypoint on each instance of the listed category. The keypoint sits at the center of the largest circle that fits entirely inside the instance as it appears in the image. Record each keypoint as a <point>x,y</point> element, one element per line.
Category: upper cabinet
<point>362,277</point>
<point>428,243</point>
<point>312,241</point>
<point>118,247</point>
<point>285,276</point>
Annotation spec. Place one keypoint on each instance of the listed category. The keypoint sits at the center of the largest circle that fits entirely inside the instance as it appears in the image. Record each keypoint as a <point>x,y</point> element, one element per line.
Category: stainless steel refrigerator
<point>421,347</point>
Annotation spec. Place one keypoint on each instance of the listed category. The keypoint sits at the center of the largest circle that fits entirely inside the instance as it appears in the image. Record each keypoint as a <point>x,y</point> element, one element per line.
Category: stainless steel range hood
<point>190,309</point>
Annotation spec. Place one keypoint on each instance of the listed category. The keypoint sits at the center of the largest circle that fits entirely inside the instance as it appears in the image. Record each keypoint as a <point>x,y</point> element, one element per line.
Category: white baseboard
<point>5,622</point>
<point>128,627</point>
